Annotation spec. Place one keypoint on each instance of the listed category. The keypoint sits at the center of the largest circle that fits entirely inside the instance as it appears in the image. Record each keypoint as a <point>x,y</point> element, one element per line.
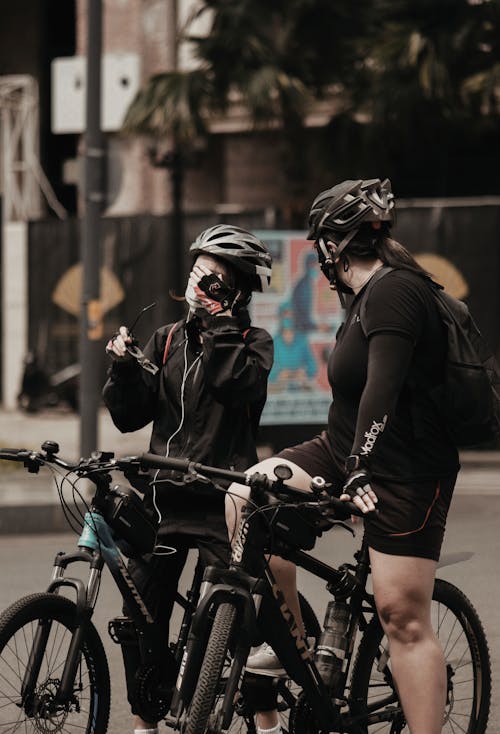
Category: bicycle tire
<point>89,707</point>
<point>210,672</point>
<point>243,718</point>
<point>462,636</point>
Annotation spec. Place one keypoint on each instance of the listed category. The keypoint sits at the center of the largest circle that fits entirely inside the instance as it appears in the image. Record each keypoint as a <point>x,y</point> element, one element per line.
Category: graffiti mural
<point>303,315</point>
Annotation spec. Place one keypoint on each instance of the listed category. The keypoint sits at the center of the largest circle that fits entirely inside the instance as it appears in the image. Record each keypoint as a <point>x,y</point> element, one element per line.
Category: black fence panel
<point>467,236</point>
<point>52,332</point>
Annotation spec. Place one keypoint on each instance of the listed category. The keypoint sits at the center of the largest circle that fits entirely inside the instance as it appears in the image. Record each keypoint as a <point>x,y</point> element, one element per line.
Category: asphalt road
<point>472,526</point>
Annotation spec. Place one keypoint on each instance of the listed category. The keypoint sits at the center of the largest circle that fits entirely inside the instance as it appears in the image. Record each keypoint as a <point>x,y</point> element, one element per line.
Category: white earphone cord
<point>169,550</point>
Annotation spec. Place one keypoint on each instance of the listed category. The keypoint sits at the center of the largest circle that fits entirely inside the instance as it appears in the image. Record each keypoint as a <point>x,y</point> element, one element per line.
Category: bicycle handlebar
<point>154,461</point>
<point>106,462</point>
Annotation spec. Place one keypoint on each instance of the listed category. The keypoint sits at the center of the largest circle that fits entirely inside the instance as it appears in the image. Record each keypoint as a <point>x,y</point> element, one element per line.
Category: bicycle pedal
<point>122,631</point>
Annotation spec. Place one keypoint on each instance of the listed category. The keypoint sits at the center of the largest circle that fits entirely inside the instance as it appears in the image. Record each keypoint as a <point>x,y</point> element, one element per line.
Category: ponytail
<point>395,255</point>
<point>370,243</point>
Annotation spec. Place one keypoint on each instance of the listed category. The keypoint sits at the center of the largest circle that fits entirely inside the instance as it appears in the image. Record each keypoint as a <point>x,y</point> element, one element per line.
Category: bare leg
<point>141,724</point>
<point>283,571</point>
<point>267,719</point>
<point>403,592</point>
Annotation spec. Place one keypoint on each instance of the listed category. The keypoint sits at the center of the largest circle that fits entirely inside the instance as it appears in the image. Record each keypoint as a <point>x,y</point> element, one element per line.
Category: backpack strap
<point>171,333</point>
<point>374,279</point>
<point>169,340</point>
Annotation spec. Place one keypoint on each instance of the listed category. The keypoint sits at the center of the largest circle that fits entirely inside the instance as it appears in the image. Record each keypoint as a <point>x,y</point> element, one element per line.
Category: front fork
<point>220,586</point>
<point>85,599</point>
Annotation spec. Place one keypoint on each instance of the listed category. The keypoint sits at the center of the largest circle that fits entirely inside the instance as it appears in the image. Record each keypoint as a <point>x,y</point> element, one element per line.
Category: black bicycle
<point>54,675</point>
<point>347,684</point>
<point>53,671</point>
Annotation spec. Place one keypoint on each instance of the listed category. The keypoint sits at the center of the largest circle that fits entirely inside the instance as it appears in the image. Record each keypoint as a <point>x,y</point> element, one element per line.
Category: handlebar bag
<point>125,513</point>
<point>298,528</point>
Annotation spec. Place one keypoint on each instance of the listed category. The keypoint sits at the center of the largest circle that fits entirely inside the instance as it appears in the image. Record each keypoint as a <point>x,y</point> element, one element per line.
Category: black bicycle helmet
<point>342,209</point>
<point>243,250</point>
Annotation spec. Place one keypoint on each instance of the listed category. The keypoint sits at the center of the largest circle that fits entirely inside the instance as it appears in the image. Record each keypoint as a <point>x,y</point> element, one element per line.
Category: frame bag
<point>469,396</point>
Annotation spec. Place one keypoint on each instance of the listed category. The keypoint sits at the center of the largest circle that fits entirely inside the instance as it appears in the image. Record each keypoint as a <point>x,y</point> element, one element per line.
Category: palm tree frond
<point>171,104</point>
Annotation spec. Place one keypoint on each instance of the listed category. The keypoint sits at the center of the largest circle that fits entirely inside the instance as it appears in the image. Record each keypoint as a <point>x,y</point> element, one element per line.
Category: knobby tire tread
<point>313,629</point>
<point>211,669</point>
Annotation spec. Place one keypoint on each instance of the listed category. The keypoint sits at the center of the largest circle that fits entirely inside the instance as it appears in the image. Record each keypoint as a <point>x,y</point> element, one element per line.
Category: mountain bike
<point>53,671</point>
<point>54,675</point>
<point>354,690</point>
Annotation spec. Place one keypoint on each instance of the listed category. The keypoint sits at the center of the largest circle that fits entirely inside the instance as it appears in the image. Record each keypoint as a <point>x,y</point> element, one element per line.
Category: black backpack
<point>469,396</point>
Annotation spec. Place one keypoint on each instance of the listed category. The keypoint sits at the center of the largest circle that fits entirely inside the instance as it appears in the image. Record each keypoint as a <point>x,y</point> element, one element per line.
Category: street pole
<point>91,307</point>
<point>177,181</point>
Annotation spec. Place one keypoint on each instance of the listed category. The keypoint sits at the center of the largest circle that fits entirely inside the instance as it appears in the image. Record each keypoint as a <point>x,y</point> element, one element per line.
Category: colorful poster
<point>302,314</point>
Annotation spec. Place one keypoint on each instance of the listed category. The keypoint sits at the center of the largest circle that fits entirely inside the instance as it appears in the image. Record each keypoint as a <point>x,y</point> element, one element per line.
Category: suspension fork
<point>219,586</point>
<point>85,598</point>
<point>65,689</point>
<point>234,681</point>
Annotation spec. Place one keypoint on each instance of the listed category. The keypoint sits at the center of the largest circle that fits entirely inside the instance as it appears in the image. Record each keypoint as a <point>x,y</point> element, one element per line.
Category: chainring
<point>152,694</point>
<point>302,720</point>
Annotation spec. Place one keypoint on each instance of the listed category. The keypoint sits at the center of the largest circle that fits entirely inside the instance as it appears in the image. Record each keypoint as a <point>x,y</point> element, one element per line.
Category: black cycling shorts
<point>411,516</point>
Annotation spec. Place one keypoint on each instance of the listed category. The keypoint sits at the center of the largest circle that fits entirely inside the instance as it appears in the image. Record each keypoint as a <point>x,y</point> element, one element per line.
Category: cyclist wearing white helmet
<point>386,445</point>
<point>205,402</point>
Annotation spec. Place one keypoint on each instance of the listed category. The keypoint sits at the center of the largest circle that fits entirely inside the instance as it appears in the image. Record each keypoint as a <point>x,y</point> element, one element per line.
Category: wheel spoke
<point>40,713</point>
<point>461,636</point>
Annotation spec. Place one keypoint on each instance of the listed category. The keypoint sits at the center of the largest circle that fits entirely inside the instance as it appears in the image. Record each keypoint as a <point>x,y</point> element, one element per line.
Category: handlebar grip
<point>349,507</point>
<point>154,461</point>
<point>14,454</point>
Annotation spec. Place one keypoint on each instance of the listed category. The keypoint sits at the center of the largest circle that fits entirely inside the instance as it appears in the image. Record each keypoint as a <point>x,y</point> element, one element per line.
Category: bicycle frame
<point>243,587</point>
<point>97,548</point>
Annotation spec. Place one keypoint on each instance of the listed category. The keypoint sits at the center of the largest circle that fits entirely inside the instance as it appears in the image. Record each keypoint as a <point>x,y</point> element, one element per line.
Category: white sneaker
<point>264,661</point>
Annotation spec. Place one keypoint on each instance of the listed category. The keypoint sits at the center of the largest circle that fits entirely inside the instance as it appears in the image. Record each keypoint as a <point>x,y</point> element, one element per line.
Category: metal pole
<point>91,311</point>
<point>177,179</point>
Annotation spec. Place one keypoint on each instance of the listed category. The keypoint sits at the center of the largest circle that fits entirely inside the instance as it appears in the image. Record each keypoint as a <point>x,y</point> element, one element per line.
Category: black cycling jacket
<point>206,400</point>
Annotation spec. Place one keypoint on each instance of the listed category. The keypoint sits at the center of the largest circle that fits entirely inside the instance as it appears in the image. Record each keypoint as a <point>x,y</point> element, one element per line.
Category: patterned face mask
<point>192,298</point>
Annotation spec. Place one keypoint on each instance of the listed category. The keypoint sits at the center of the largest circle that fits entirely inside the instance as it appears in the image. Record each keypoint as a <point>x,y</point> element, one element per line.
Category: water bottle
<point>331,649</point>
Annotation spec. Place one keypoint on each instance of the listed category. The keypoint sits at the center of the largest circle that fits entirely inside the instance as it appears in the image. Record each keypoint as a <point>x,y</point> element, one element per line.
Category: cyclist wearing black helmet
<point>205,402</point>
<point>386,445</point>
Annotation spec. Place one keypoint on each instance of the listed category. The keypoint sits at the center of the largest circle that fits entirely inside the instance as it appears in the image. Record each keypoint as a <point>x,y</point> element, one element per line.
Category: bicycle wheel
<point>40,713</point>
<point>209,681</point>
<point>286,689</point>
<point>462,637</point>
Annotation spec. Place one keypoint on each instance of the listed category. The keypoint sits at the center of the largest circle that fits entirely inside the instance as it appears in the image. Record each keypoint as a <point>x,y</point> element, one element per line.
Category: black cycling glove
<point>357,483</point>
<point>218,296</point>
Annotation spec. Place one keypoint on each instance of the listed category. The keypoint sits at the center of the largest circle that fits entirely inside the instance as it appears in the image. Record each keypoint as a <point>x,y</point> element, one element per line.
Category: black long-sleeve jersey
<point>382,410</point>
<point>205,402</point>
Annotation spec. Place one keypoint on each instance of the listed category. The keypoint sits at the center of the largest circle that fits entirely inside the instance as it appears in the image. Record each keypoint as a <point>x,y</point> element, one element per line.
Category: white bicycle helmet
<point>243,250</point>
<point>342,209</point>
